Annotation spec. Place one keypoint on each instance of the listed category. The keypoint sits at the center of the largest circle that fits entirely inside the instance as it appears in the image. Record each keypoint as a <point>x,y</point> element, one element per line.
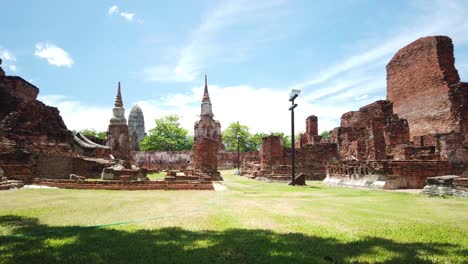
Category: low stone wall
<point>162,160</point>
<point>60,167</point>
<point>384,174</point>
<point>125,185</point>
<point>178,160</point>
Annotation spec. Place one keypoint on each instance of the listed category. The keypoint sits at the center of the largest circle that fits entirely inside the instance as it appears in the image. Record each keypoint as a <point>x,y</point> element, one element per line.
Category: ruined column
<point>207,140</point>
<point>117,133</point>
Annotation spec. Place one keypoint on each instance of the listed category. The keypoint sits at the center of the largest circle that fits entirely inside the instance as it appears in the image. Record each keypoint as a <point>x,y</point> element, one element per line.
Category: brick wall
<point>205,155</point>
<point>396,174</point>
<point>420,79</point>
<point>125,185</point>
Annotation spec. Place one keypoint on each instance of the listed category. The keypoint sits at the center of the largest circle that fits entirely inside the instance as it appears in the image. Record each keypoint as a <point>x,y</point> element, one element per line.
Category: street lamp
<point>292,96</point>
<point>238,155</point>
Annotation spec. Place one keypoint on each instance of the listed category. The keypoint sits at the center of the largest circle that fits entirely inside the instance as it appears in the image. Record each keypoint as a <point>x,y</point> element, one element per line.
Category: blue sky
<point>254,53</point>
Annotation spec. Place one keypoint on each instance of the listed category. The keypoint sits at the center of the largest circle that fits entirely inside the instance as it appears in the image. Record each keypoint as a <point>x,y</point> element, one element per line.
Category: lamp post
<point>238,155</point>
<point>292,96</point>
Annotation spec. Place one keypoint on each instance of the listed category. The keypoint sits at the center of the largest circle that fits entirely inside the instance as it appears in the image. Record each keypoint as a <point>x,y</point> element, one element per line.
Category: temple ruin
<point>37,148</point>
<point>117,133</point>
<point>207,139</point>
<point>34,141</point>
<point>136,127</point>
<point>418,132</point>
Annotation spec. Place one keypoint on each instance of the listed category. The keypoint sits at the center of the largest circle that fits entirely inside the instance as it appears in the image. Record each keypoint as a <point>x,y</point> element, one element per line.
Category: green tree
<point>167,135</point>
<point>325,134</point>
<point>256,141</point>
<point>93,133</point>
<point>230,135</point>
<point>286,138</point>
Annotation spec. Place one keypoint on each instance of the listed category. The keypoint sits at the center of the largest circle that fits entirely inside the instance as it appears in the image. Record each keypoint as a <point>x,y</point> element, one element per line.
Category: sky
<point>254,53</point>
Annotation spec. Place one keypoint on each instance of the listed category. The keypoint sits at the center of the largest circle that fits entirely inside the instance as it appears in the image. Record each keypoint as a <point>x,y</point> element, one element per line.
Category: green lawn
<point>250,222</point>
<point>156,176</point>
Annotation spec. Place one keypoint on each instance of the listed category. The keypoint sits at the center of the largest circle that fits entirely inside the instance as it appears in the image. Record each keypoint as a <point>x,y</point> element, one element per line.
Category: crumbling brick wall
<point>311,159</point>
<point>421,79</point>
<point>365,134</point>
<point>205,155</point>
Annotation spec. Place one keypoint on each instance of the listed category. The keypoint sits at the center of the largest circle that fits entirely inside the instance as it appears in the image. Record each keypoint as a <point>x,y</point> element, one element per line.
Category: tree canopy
<point>230,135</point>
<point>93,133</point>
<point>248,141</point>
<point>325,134</point>
<point>167,135</point>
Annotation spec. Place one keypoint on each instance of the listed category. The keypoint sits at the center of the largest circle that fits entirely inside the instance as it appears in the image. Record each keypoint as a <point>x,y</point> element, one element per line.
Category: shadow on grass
<point>74,244</point>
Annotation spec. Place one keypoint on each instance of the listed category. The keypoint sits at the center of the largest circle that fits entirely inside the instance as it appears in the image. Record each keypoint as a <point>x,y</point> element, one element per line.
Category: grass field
<point>249,222</point>
<point>157,176</point>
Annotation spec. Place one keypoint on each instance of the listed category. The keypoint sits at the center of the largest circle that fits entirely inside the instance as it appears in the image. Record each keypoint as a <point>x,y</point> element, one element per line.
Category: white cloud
<point>357,80</point>
<point>113,9</point>
<point>360,78</point>
<point>435,18</point>
<point>130,17</point>
<point>79,116</point>
<point>261,109</point>
<point>53,54</point>
<point>6,55</point>
<point>207,44</point>
<point>8,59</point>
<point>127,16</point>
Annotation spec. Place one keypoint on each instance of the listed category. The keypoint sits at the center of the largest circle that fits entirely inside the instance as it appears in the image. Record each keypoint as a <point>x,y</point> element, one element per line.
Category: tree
<point>325,134</point>
<point>256,141</point>
<point>93,133</point>
<point>167,135</point>
<point>230,135</point>
<point>286,138</point>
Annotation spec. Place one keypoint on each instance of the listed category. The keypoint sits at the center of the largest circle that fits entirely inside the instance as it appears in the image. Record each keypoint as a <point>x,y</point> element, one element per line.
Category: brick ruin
<point>207,141</point>
<point>118,138</point>
<point>136,127</point>
<point>34,141</point>
<point>418,132</point>
<point>36,147</point>
<point>156,160</point>
<point>273,161</point>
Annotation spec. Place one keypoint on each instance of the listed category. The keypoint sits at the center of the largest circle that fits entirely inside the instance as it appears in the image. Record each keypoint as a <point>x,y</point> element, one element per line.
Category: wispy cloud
<point>6,55</point>
<point>113,9</point>
<point>207,44</point>
<point>127,16</point>
<point>53,54</point>
<point>360,77</point>
<point>8,59</point>
<point>78,115</point>
<point>130,17</point>
<point>435,18</point>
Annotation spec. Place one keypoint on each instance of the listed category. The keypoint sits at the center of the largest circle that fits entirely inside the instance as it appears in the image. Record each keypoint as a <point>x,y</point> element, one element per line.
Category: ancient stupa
<point>117,133</point>
<point>136,127</point>
<point>207,140</point>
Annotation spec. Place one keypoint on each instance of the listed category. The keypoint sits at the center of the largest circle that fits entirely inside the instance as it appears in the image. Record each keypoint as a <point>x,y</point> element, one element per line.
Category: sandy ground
<point>219,186</point>
<point>414,191</point>
<point>33,186</point>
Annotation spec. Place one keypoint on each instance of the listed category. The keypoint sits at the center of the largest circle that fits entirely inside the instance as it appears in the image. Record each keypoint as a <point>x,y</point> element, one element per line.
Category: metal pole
<point>238,155</point>
<point>292,147</point>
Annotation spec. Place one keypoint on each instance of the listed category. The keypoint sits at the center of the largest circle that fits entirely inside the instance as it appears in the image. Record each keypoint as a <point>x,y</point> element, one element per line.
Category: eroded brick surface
<point>421,83</point>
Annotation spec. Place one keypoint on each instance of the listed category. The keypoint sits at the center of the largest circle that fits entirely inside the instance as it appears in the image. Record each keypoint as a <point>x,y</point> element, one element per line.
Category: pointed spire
<point>205,93</point>
<point>118,98</point>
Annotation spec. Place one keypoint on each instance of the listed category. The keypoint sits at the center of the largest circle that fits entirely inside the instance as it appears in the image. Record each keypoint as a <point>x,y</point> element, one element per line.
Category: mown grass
<point>156,176</point>
<point>250,222</point>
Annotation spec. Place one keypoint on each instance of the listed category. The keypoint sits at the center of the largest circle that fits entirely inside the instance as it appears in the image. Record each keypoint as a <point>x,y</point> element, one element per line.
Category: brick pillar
<point>206,155</point>
<point>311,126</point>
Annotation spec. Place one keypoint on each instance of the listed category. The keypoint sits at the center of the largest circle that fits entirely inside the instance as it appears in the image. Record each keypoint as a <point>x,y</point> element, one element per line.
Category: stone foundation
<point>125,185</point>
<point>384,174</point>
